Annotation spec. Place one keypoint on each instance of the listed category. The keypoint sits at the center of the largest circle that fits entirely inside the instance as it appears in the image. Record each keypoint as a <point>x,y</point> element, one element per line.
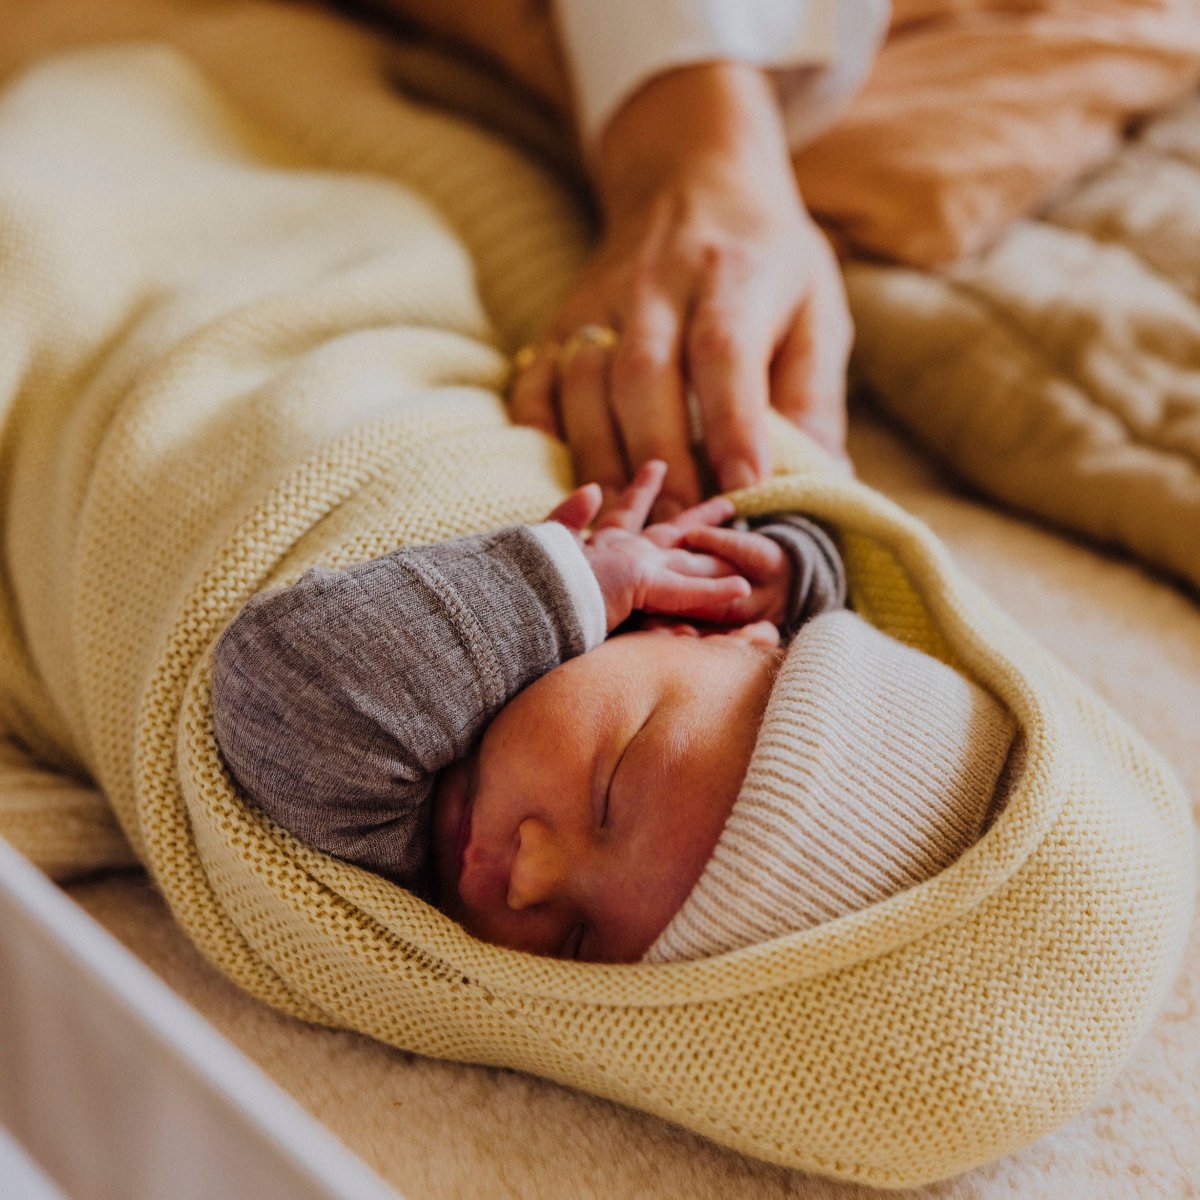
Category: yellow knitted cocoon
<point>260,345</point>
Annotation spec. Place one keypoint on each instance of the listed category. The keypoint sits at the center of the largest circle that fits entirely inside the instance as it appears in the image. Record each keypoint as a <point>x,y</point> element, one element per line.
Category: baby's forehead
<point>684,675</point>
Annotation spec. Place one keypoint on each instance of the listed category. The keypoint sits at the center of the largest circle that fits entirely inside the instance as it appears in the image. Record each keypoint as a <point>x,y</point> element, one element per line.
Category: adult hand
<point>715,280</point>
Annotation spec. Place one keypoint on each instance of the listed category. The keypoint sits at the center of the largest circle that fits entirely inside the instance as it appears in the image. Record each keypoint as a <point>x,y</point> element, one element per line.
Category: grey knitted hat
<point>875,767</point>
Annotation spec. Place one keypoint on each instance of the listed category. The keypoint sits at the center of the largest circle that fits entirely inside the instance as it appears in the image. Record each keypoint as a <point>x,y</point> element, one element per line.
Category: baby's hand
<point>763,562</point>
<point>652,569</point>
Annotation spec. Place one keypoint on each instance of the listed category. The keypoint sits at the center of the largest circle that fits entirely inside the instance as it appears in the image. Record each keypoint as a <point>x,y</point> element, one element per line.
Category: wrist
<point>714,123</point>
<point>569,555</point>
<point>611,575</point>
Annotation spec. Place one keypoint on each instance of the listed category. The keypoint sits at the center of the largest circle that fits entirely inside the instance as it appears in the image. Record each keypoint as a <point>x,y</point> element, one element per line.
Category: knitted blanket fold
<point>254,317</point>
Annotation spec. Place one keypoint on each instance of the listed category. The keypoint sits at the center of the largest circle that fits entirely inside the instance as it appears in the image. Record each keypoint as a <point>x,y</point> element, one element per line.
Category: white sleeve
<point>564,550</point>
<point>818,50</point>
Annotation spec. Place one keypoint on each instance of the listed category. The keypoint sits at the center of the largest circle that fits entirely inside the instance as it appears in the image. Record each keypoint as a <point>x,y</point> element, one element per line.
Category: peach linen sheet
<point>979,111</point>
<point>1060,370</point>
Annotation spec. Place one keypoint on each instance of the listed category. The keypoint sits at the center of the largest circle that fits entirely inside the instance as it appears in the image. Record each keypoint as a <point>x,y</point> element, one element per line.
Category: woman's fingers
<point>808,376</point>
<point>745,313</point>
<point>808,386</point>
<point>646,392</point>
<point>728,351</point>
<point>531,397</point>
<point>586,422</point>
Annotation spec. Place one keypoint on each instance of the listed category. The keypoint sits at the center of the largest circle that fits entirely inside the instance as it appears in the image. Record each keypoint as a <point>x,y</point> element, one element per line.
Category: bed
<point>433,1128</point>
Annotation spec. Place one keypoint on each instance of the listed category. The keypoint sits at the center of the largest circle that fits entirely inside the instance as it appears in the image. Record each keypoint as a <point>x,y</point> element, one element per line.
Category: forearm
<point>714,124</point>
<point>719,111</point>
<point>336,700</point>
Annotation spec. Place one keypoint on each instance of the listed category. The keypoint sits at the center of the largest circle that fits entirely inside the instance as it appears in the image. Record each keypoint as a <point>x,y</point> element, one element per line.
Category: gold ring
<point>603,337</point>
<point>529,354</point>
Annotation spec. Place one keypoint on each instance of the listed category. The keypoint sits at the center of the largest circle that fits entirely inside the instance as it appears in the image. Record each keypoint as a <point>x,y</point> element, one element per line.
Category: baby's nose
<point>539,866</point>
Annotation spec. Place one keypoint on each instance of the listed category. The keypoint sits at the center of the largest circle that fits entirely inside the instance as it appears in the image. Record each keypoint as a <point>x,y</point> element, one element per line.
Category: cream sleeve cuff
<point>616,46</point>
<point>564,550</point>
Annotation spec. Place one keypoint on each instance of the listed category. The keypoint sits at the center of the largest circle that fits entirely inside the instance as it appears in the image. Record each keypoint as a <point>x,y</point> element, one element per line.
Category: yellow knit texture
<point>255,316</point>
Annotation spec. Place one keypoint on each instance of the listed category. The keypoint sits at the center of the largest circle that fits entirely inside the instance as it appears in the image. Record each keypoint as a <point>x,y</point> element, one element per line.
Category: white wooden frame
<point>117,1090</point>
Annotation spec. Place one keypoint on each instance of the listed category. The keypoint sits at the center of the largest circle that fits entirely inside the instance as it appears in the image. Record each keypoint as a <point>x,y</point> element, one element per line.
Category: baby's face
<point>579,824</point>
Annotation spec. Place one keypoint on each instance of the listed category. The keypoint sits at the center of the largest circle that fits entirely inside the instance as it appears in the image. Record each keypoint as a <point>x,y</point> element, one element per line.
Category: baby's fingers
<point>578,510</point>
<point>714,511</point>
<point>704,566</point>
<point>631,508</point>
<point>751,554</point>
<point>531,395</point>
<point>671,533</point>
<point>694,596</point>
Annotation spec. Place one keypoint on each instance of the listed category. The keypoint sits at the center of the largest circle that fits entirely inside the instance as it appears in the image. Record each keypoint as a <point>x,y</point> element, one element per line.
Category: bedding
<point>273,336</point>
<point>445,1131</point>
<point>1060,370</point>
<point>979,112</point>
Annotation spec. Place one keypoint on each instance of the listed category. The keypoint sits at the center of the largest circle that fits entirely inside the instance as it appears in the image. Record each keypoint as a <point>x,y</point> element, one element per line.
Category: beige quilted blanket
<point>1060,371</point>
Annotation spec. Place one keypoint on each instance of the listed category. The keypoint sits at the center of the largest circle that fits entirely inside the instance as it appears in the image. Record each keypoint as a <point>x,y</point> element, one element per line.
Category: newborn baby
<point>457,718</point>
